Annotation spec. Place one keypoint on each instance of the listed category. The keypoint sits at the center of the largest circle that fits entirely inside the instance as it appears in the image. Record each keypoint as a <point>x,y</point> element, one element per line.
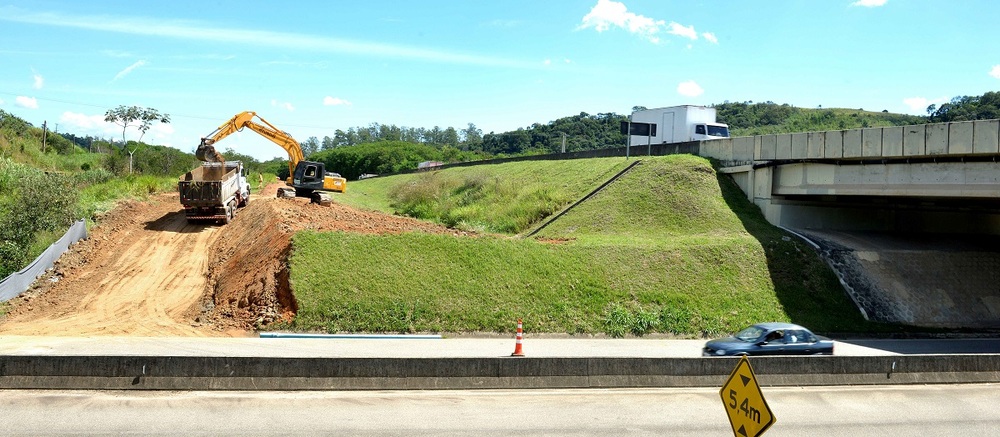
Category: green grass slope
<point>501,198</point>
<point>668,248</point>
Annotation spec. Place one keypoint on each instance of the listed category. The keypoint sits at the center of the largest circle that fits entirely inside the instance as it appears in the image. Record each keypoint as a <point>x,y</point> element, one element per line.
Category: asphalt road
<point>938,410</point>
<point>441,348</point>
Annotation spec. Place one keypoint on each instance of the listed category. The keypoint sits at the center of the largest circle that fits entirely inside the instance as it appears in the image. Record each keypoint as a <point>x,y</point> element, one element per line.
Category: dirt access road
<point>145,271</point>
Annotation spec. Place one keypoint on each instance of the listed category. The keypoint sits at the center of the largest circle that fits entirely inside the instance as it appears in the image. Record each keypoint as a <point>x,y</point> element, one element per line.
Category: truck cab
<point>710,131</point>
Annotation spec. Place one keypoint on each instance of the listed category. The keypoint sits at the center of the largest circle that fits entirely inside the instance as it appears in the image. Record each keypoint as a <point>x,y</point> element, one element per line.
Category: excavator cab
<point>309,175</point>
<point>312,175</point>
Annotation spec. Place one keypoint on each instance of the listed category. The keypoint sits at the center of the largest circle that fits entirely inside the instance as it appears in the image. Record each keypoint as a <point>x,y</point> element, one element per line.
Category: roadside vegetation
<point>670,248</point>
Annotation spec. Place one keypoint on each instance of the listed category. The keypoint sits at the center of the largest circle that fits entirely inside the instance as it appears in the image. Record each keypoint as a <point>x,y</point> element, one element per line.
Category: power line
<point>194,117</point>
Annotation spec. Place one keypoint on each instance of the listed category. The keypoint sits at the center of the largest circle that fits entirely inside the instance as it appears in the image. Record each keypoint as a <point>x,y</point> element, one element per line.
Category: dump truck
<point>214,191</point>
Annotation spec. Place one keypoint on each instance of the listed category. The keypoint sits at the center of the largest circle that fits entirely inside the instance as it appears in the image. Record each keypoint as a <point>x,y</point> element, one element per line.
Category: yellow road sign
<point>748,411</point>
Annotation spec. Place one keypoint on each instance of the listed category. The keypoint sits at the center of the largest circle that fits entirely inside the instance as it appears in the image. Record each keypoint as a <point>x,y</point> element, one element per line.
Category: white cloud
<point>335,101</point>
<point>39,81</point>
<point>89,124</point>
<point>1,101</point>
<point>26,102</point>
<point>129,69</point>
<point>689,89</point>
<point>158,133</point>
<point>209,31</point>
<point>995,72</point>
<point>283,105</point>
<point>547,62</point>
<point>608,13</point>
<point>681,30</point>
<point>869,3</point>
<point>710,37</point>
<point>920,104</point>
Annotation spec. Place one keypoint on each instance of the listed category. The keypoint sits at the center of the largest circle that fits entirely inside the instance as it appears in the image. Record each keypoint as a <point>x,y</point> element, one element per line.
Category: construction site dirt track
<point>146,271</point>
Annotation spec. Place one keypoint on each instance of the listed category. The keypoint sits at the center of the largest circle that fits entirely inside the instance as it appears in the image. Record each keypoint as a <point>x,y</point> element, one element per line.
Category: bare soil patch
<point>146,271</point>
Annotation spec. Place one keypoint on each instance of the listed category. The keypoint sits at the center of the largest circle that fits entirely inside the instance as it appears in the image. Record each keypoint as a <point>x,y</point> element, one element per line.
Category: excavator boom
<point>305,184</point>
<point>206,150</point>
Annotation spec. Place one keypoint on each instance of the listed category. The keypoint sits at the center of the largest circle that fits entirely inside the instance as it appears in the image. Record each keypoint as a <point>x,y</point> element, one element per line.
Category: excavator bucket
<point>205,152</point>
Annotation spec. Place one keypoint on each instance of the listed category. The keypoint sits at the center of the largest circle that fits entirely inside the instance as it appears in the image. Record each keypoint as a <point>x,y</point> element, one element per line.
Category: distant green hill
<point>670,247</point>
<point>745,119</point>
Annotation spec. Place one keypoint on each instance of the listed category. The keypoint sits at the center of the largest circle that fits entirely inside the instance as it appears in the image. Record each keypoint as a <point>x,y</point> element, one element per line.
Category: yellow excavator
<point>305,178</point>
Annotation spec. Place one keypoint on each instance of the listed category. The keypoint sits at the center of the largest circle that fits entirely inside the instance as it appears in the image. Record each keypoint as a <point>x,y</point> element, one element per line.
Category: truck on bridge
<point>679,124</point>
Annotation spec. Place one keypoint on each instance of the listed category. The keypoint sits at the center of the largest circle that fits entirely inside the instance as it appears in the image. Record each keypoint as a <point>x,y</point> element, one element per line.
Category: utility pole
<point>44,132</point>
<point>563,142</point>
<point>628,137</point>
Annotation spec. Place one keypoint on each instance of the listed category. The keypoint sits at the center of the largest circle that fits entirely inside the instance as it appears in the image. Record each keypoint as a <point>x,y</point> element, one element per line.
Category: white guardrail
<point>18,282</point>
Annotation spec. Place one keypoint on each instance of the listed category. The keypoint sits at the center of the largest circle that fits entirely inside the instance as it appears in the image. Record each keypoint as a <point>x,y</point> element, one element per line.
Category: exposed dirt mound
<point>248,271</point>
<point>146,271</point>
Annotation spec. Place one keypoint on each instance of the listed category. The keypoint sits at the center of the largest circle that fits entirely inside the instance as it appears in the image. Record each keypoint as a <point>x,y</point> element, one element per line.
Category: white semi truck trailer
<point>678,124</point>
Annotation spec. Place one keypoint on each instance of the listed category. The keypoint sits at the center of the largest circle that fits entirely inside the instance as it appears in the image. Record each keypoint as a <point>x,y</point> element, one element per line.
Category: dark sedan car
<point>770,339</point>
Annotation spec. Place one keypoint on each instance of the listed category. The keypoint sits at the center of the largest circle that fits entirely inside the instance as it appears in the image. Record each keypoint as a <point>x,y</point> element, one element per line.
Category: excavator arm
<point>313,181</point>
<point>206,151</point>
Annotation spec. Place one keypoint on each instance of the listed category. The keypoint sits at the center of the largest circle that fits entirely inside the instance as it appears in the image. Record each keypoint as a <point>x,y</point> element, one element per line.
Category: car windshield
<point>749,334</point>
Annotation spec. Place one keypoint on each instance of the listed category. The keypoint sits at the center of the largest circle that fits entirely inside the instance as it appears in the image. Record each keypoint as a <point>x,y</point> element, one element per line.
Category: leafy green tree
<point>966,108</point>
<point>310,146</point>
<point>139,117</point>
<point>14,124</point>
<point>35,202</point>
<point>328,143</point>
<point>250,163</point>
<point>115,161</point>
<point>472,136</point>
<point>164,161</point>
<point>449,137</point>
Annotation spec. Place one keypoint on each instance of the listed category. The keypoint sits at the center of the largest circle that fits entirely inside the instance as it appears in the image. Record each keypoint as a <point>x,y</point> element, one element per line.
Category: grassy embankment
<point>669,248</point>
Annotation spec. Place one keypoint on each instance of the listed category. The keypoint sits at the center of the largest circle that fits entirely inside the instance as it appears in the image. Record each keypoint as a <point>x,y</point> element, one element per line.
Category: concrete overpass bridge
<point>908,216</point>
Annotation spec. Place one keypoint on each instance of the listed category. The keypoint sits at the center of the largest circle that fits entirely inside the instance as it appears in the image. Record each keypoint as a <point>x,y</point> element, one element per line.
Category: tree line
<point>966,108</point>
<point>578,132</point>
<point>465,139</point>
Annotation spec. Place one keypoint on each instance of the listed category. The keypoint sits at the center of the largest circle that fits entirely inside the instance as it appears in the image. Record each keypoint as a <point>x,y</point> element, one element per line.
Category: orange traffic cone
<point>520,337</point>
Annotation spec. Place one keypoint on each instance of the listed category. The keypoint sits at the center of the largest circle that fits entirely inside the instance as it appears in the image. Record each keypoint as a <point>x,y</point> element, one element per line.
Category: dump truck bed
<point>212,184</point>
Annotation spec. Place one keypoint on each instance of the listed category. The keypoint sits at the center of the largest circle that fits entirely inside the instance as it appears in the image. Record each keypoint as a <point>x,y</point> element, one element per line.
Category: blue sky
<point>311,67</point>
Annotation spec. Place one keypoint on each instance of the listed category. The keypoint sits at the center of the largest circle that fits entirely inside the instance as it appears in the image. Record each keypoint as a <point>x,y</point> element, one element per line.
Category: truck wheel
<point>229,216</point>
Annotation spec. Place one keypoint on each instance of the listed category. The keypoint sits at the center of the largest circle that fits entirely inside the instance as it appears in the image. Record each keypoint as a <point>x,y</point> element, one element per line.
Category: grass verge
<point>671,247</point>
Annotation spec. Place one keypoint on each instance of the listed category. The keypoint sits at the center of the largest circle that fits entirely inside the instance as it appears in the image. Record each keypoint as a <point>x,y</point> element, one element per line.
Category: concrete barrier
<point>271,373</point>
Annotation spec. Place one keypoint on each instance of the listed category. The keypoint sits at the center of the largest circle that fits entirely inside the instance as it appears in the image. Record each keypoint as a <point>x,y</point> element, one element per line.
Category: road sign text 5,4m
<point>745,405</point>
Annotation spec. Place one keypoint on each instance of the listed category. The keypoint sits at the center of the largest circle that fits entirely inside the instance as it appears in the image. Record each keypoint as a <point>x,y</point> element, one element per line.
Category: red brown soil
<point>146,271</point>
